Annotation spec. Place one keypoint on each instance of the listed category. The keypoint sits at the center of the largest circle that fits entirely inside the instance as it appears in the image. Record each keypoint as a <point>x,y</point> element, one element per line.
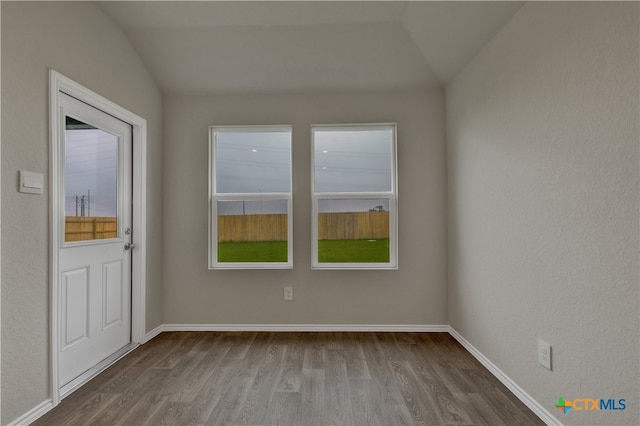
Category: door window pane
<point>90,182</point>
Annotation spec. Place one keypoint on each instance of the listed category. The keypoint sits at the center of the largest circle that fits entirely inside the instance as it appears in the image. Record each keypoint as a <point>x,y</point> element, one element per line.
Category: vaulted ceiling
<point>215,47</point>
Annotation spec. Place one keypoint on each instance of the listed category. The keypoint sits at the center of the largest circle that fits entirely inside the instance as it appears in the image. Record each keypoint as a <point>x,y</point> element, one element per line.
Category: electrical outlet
<point>544,354</point>
<point>288,293</point>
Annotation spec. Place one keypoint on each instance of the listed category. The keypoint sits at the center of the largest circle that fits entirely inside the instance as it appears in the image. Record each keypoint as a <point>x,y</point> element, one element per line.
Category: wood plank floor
<point>245,378</point>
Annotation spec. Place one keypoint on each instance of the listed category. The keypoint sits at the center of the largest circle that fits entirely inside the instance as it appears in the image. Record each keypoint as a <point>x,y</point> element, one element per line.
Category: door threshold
<point>95,370</point>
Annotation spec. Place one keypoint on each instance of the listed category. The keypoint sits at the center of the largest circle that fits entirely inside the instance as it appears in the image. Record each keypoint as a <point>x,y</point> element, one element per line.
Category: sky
<point>352,160</point>
<point>91,168</point>
<point>253,163</point>
<point>348,160</point>
<point>345,160</point>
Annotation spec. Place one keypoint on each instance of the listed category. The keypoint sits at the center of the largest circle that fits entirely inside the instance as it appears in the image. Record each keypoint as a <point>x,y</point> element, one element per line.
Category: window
<point>354,196</point>
<point>250,209</point>
<point>90,182</point>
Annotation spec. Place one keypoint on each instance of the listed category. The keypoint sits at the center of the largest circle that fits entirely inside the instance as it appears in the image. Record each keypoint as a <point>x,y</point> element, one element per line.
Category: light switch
<point>30,182</point>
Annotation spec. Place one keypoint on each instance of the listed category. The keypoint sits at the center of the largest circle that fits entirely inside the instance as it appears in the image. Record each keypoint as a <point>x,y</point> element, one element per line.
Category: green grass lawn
<point>253,251</point>
<point>329,251</point>
<point>353,251</point>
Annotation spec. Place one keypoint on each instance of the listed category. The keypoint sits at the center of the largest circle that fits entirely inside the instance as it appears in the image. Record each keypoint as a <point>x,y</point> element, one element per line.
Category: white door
<point>95,251</point>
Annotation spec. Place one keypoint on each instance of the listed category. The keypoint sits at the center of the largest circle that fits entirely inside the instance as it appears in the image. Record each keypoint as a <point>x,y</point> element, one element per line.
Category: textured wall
<point>414,294</point>
<point>542,147</point>
<point>77,40</point>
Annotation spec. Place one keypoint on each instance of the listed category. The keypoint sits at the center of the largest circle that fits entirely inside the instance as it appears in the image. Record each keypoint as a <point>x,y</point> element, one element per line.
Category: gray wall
<point>542,184</point>
<point>414,294</point>
<point>542,146</point>
<point>77,40</point>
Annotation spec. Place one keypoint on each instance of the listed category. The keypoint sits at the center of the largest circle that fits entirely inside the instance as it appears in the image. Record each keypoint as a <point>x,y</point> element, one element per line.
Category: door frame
<point>58,83</point>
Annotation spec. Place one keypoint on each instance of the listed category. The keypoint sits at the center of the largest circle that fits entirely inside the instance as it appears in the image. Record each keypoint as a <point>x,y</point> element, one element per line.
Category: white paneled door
<point>95,249</point>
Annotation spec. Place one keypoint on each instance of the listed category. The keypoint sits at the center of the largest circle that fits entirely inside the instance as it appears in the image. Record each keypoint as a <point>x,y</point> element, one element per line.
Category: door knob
<point>129,246</point>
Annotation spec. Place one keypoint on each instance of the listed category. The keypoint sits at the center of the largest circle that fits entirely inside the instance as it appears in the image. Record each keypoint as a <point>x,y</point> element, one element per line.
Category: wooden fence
<point>82,228</point>
<point>252,227</point>
<point>331,226</point>
<point>353,225</point>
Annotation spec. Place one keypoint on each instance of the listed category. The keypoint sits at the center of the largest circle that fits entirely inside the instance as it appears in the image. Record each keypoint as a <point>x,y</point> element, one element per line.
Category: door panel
<point>112,297</point>
<point>75,305</point>
<point>95,265</point>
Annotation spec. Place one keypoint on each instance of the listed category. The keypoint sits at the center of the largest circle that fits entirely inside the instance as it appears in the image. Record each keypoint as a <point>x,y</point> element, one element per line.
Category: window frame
<point>214,197</point>
<point>391,196</point>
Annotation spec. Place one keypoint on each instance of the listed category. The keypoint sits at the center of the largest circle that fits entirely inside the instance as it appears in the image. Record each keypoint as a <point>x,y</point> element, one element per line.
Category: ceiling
<point>215,47</point>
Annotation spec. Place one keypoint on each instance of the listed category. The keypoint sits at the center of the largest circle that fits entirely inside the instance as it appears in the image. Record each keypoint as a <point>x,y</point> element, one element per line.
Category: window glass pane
<point>353,231</point>
<point>252,162</point>
<point>90,182</point>
<point>252,231</point>
<point>353,160</point>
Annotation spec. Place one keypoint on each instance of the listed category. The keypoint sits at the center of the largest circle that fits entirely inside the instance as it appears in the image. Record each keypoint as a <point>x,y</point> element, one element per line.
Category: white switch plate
<point>30,182</point>
<point>544,354</point>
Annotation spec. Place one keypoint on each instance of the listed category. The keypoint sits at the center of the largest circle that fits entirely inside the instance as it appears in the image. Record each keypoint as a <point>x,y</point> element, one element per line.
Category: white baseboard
<point>34,414</point>
<point>523,396</point>
<point>153,333</point>
<point>302,327</point>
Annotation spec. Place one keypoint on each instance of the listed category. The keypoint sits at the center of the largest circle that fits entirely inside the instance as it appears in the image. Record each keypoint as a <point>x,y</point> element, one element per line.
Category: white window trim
<point>392,196</point>
<point>215,197</point>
